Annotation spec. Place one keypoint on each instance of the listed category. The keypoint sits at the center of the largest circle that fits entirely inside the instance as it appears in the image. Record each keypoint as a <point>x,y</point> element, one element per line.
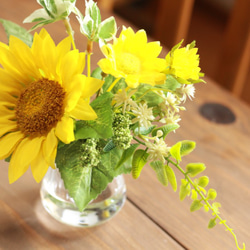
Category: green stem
<point>139,141</point>
<point>69,31</point>
<point>207,203</point>
<point>113,84</point>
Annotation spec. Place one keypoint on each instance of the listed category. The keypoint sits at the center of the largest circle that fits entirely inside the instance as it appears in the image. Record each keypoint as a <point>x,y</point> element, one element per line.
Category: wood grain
<point>153,217</point>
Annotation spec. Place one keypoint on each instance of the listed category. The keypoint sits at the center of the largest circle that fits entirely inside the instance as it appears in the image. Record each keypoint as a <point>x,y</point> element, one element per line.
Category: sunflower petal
<point>50,148</point>
<point>65,130</point>
<point>39,167</point>
<point>22,157</point>
<point>83,111</point>
<point>91,85</point>
<point>8,143</point>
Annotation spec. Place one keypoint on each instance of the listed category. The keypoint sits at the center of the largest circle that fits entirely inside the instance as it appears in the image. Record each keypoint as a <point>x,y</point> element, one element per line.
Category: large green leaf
<point>86,183</point>
<point>17,31</point>
<point>102,126</point>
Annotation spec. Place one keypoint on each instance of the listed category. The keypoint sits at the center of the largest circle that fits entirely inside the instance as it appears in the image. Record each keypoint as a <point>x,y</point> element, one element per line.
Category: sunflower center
<point>129,64</point>
<point>39,107</point>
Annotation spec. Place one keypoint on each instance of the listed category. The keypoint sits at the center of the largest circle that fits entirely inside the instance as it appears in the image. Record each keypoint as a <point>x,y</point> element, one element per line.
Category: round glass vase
<point>57,202</point>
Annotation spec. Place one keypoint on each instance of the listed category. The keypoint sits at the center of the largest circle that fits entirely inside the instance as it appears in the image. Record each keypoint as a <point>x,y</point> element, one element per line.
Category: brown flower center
<point>39,107</point>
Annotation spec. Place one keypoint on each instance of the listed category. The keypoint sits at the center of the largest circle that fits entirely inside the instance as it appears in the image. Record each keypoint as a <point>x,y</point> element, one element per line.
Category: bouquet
<point>110,121</point>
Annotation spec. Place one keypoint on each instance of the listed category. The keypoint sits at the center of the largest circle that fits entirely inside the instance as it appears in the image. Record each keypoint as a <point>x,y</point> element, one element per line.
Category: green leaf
<point>184,189</point>
<point>194,195</point>
<point>196,205</point>
<point>127,155</point>
<point>194,169</point>
<point>187,147</point>
<point>86,183</point>
<point>212,223</point>
<point>102,126</point>
<point>109,146</point>
<point>17,31</point>
<point>97,73</point>
<point>166,129</point>
<point>171,83</point>
<point>77,178</point>
<point>211,195</point>
<point>107,29</point>
<point>171,177</point>
<point>139,160</point>
<point>160,170</point>
<point>151,97</point>
<point>203,181</point>
<point>175,151</point>
<point>143,130</point>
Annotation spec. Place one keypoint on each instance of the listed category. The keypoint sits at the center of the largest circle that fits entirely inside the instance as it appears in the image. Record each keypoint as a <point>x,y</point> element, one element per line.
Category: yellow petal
<point>72,63</point>
<point>39,167</point>
<point>65,130</point>
<point>24,154</point>
<point>8,143</point>
<point>50,148</point>
<point>91,85</point>
<point>7,126</point>
<point>74,91</point>
<point>83,111</point>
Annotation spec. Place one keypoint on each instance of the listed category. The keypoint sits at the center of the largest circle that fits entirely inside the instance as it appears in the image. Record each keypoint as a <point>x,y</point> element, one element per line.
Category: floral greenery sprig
<point>137,102</point>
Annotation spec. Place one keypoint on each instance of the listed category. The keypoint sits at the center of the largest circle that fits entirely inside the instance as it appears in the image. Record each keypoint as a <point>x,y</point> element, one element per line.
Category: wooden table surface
<point>153,217</point>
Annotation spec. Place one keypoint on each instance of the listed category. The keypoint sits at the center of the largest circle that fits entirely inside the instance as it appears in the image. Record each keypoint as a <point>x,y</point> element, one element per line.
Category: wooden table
<point>153,217</point>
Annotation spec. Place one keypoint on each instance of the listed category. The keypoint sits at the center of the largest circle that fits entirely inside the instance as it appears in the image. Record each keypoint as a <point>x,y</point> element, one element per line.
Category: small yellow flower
<point>42,92</point>
<point>184,62</point>
<point>132,58</point>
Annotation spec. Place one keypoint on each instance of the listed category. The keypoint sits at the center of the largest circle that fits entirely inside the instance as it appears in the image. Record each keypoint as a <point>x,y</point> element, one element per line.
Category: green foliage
<point>171,177</point>
<point>91,25</point>
<point>86,183</point>
<point>102,126</point>
<point>175,151</point>
<point>212,223</point>
<point>143,130</point>
<point>185,189</point>
<point>196,205</point>
<point>194,169</point>
<point>160,170</point>
<point>182,148</point>
<point>139,160</point>
<point>211,195</point>
<point>17,31</point>
<point>166,129</point>
<point>187,147</point>
<point>203,181</point>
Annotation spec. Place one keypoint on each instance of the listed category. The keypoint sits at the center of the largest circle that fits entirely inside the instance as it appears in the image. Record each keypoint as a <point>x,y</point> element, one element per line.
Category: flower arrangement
<point>111,121</point>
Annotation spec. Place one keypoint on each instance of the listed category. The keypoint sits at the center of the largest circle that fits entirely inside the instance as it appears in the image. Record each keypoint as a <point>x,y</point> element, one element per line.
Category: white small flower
<point>187,91</point>
<point>170,118</point>
<point>170,99</point>
<point>157,150</point>
<point>144,115</point>
<point>122,97</point>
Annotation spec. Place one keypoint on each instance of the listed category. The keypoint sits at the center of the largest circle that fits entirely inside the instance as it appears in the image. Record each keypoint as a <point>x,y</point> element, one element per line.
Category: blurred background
<point>221,29</point>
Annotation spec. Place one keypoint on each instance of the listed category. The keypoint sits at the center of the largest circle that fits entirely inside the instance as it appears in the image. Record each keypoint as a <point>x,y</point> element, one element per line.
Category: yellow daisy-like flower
<point>132,58</point>
<point>42,92</point>
<point>184,62</point>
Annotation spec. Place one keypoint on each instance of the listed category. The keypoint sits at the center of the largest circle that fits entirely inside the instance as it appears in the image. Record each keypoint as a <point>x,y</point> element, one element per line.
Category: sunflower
<point>132,58</point>
<point>42,92</point>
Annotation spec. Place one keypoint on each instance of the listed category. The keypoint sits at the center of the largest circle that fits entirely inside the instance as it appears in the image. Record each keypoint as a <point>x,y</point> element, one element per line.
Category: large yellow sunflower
<point>132,58</point>
<point>42,92</point>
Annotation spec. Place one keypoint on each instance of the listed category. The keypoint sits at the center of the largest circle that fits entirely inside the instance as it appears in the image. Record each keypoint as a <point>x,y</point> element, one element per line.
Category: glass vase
<point>61,206</point>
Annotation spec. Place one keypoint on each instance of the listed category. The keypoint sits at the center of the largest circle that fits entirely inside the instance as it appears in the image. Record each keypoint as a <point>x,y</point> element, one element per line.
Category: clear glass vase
<point>61,206</point>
